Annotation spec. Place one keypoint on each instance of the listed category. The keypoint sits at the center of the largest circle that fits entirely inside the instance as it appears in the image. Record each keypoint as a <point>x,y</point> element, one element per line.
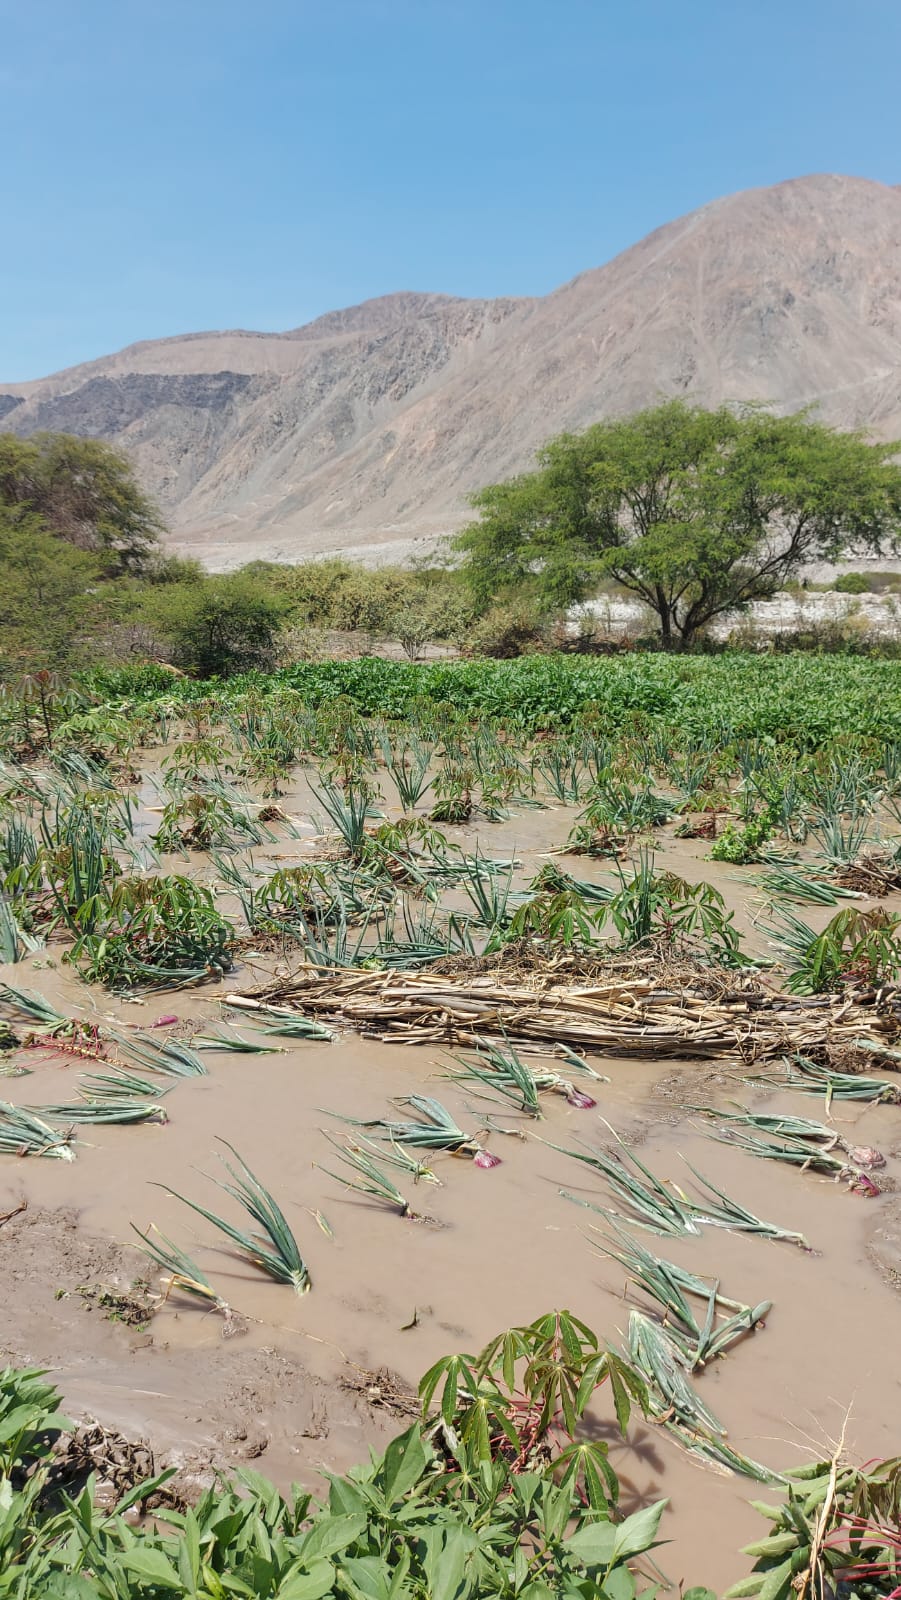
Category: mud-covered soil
<point>313,1381</point>
<point>884,1243</point>
<point>214,1405</point>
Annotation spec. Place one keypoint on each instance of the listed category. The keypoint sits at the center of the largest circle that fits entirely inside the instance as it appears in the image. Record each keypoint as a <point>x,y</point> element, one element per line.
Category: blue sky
<point>172,165</point>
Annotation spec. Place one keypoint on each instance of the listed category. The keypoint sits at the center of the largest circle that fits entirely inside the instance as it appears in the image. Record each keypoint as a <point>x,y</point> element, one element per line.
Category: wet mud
<point>314,1380</point>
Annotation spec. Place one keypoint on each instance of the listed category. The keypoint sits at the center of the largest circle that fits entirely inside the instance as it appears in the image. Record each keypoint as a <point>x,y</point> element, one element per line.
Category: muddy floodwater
<point>314,1380</point>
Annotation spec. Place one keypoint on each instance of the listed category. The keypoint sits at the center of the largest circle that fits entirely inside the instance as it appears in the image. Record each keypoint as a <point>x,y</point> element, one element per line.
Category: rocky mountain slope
<point>365,430</point>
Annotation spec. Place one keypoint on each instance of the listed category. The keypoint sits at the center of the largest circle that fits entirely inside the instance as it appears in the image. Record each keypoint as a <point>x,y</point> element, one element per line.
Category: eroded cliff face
<point>367,428</point>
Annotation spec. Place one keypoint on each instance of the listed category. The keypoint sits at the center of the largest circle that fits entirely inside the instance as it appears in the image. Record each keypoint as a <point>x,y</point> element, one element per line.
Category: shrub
<point>218,626</point>
<point>46,587</point>
<point>412,627</point>
<point>852,583</point>
<point>503,631</point>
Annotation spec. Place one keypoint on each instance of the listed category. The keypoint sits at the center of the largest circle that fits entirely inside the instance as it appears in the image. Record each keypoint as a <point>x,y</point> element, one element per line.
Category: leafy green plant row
<point>809,699</point>
<point>493,1492</point>
<point>489,1493</point>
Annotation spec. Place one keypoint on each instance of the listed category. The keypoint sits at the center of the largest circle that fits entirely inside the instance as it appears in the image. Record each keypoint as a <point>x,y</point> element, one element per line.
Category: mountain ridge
<point>365,429</point>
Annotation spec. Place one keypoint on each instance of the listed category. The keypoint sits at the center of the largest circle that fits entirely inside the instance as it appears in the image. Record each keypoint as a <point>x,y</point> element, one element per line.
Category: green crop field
<point>805,698</point>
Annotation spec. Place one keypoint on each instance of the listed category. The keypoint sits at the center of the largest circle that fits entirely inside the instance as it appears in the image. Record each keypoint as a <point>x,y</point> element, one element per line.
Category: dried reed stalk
<point>644,1015</point>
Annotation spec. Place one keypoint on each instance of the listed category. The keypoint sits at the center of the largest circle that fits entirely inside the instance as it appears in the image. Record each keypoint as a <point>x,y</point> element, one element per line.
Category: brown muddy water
<point>391,1296</point>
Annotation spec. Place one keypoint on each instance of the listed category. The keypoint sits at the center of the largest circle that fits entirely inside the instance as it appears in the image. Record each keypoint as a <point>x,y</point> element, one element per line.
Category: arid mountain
<point>365,430</point>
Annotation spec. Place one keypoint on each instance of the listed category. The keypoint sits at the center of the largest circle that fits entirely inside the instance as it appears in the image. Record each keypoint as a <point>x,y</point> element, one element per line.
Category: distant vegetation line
<point>696,514</point>
<point>806,698</point>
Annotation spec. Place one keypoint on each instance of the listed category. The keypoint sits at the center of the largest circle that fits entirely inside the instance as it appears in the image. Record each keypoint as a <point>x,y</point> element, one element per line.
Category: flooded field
<point>308,1382</point>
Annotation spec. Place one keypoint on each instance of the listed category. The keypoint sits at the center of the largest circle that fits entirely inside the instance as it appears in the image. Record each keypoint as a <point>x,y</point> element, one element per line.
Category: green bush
<point>852,583</point>
<point>504,631</point>
<point>218,626</point>
<point>413,604</point>
<point>47,599</point>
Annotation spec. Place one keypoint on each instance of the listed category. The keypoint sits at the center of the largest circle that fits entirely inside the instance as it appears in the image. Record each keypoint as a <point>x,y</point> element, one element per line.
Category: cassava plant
<point>155,932</point>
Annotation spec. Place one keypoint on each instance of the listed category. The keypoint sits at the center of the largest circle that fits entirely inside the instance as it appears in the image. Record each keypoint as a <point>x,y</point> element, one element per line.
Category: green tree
<point>85,492</point>
<point>218,626</point>
<point>47,599</point>
<point>696,512</point>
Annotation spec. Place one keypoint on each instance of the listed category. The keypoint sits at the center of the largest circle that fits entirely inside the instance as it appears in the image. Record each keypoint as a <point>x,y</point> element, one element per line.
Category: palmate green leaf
<point>475,1430</point>
<point>566,1397</point>
<point>568,1326</point>
<point>574,1335</point>
<point>469,1394</point>
<point>626,1385</point>
<point>449,1394</point>
<point>430,1380</point>
<point>587,1469</point>
<point>509,1348</point>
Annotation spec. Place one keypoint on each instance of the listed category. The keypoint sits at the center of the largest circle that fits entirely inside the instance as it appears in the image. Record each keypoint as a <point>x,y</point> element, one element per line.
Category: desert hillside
<point>365,429</point>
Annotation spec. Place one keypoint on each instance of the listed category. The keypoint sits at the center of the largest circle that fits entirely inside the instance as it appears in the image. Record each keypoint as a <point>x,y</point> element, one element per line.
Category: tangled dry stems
<point>635,1005</point>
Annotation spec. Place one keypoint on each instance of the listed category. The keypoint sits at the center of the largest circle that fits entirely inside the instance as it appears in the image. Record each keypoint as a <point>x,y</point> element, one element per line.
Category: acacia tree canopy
<point>83,491</point>
<point>697,512</point>
<point>45,595</point>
